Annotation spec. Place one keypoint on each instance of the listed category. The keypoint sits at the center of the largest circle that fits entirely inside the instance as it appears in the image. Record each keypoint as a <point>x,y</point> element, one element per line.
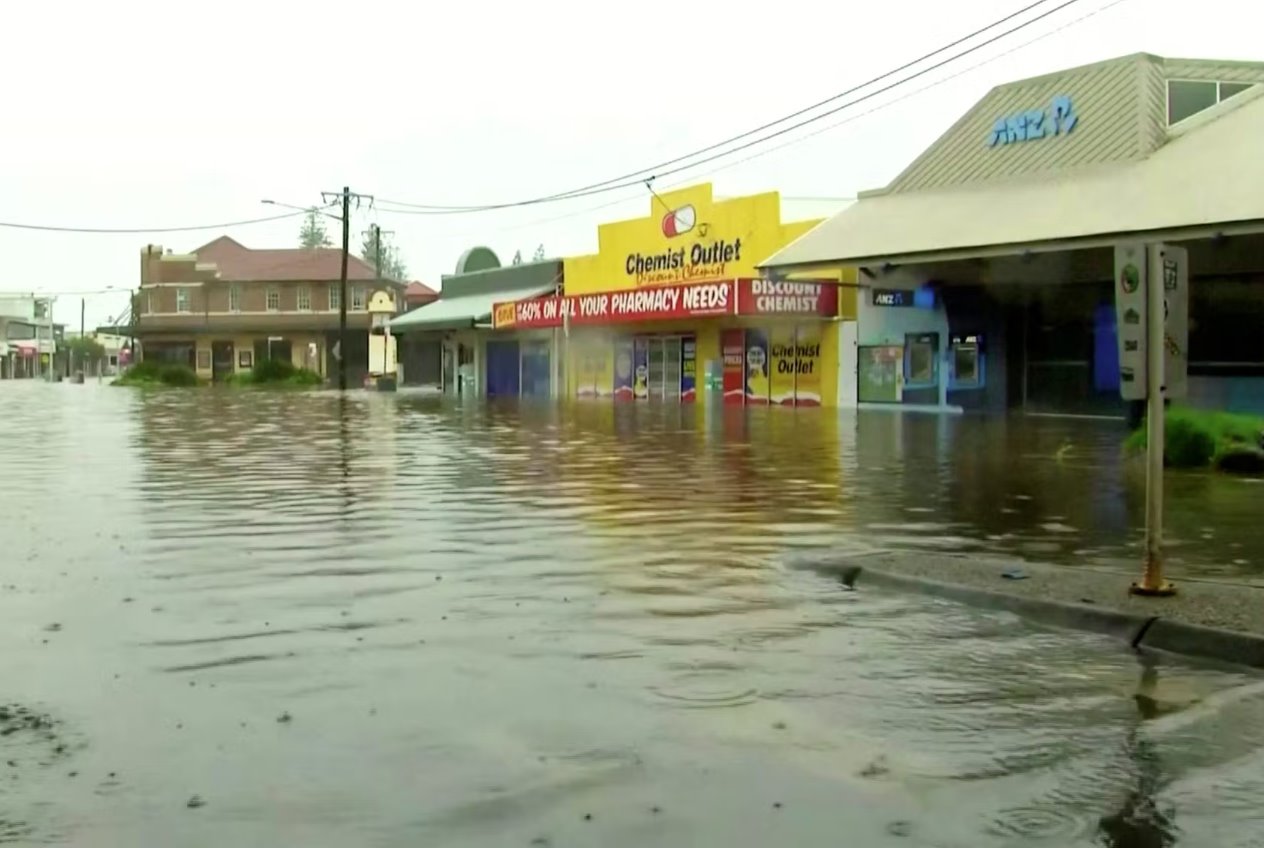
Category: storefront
<point>445,345</point>
<point>988,266</point>
<point>670,308</point>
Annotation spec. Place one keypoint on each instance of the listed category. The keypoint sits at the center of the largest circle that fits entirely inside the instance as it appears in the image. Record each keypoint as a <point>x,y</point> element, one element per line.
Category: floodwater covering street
<point>235,618</point>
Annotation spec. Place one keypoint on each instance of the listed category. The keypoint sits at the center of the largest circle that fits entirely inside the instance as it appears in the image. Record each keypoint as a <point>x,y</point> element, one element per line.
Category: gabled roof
<point>418,289</point>
<point>1204,179</point>
<point>1121,108</point>
<point>237,262</point>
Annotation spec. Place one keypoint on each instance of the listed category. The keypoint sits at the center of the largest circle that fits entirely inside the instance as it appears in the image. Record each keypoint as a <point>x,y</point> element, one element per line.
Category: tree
<point>313,232</point>
<point>84,350</point>
<point>393,267</point>
<point>539,254</point>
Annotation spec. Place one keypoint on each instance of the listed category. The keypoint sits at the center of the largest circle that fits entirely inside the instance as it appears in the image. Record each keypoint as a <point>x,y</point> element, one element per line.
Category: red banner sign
<point>787,297</point>
<point>656,303</point>
<point>662,303</point>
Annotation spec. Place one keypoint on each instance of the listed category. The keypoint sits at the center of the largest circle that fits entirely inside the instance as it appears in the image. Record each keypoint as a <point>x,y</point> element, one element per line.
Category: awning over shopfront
<point>467,296</point>
<point>1204,180</point>
<point>462,311</point>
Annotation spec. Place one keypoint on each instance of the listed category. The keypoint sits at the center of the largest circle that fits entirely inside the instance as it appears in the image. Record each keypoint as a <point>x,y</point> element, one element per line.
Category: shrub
<point>154,373</point>
<point>1197,438</point>
<point>275,372</point>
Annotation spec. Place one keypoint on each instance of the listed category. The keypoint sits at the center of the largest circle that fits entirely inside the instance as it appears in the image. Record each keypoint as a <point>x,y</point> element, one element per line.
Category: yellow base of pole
<point>1164,589</point>
<point>1152,584</point>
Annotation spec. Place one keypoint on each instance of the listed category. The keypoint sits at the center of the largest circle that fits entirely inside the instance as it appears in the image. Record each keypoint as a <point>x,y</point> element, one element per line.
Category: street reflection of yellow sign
<point>504,315</point>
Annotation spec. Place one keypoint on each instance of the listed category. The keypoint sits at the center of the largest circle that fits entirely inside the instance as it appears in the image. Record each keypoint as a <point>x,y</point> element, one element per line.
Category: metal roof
<point>1206,175</point>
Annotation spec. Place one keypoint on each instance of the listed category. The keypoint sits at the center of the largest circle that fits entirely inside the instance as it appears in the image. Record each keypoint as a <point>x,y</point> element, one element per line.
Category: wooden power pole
<point>343,199</point>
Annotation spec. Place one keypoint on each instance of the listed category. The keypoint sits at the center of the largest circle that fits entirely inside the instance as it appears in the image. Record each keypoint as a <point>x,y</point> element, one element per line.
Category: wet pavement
<point>255,619</point>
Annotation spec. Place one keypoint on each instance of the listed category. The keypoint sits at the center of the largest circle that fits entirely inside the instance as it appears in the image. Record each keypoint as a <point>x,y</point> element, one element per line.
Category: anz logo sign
<point>1034,124</point>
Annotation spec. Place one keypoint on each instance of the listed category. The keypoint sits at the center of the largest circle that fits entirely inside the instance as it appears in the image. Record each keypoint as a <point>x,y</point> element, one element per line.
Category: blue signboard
<point>892,297</point>
<point>1034,124</point>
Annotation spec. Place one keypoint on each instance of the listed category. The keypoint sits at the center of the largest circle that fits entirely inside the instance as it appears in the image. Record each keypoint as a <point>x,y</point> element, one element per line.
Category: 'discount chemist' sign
<point>1059,119</point>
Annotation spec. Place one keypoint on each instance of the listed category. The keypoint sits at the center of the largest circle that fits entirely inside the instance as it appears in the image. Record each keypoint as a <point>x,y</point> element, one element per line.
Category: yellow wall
<point>719,226</point>
<point>730,238</point>
<point>707,332</point>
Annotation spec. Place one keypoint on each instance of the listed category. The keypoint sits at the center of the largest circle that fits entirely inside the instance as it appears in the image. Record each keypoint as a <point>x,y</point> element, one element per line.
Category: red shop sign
<point>654,303</point>
<point>787,297</point>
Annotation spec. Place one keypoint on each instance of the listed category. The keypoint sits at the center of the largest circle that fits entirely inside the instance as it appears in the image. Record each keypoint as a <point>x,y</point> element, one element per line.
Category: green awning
<point>463,311</point>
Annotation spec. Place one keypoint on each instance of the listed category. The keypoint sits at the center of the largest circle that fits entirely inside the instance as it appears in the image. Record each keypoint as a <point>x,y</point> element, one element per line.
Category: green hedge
<point>1197,438</point>
<point>276,372</point>
<point>154,373</point>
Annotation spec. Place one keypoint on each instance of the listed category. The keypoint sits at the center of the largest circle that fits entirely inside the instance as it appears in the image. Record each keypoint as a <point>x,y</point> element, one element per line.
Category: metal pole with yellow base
<point>1152,583</point>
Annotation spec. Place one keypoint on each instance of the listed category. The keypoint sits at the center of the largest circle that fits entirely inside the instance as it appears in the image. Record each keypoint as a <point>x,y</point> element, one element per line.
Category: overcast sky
<point>146,114</point>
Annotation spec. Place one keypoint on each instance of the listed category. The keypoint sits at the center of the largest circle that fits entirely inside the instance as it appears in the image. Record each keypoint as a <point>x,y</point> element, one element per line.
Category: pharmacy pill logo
<point>679,221</point>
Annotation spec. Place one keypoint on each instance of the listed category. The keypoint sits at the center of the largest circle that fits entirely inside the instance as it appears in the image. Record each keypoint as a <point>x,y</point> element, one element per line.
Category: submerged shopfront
<point>987,267</point>
<point>670,309</point>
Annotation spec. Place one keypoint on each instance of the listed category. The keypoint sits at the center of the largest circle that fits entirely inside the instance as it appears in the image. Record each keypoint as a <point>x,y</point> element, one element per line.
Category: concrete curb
<point>1139,631</point>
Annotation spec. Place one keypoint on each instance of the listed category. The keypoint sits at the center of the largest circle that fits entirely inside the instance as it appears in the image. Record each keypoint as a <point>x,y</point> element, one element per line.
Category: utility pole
<point>344,198</point>
<point>83,305</point>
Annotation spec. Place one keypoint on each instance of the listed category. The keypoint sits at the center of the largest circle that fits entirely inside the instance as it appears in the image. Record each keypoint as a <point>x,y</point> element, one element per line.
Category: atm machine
<point>967,362</point>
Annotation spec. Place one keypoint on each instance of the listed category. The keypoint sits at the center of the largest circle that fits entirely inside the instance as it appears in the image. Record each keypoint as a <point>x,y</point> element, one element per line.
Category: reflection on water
<point>381,620</point>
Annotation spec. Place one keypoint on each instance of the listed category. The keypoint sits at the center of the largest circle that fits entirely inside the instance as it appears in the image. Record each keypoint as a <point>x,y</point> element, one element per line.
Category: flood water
<point>249,619</point>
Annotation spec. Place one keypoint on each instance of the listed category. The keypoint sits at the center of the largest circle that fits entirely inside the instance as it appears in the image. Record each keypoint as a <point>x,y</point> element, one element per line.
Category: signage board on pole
<point>1174,262</point>
<point>1130,318</point>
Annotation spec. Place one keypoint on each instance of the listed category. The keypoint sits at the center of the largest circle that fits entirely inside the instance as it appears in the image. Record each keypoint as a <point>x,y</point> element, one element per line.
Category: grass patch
<point>276,373</point>
<point>157,374</point>
<point>1199,438</point>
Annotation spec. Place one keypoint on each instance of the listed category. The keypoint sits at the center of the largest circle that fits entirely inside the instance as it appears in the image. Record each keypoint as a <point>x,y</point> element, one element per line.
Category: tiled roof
<point>312,264</point>
<point>417,289</point>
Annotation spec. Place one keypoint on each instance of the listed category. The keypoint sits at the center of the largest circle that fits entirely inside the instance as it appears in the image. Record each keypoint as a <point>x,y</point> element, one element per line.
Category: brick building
<point>224,307</point>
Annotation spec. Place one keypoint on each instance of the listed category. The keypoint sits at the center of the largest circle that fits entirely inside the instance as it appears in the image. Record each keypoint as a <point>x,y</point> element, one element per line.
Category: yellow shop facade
<point>671,307</point>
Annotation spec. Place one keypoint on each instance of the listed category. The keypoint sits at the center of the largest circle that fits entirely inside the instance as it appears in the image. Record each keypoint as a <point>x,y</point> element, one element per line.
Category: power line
<point>89,293</point>
<point>142,230</point>
<point>914,93</point>
<point>637,177</point>
<point>849,119</point>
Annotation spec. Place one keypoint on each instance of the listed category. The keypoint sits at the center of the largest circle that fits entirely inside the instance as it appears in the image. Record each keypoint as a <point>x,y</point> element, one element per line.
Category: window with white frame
<point>234,298</point>
<point>1186,98</point>
<point>335,296</point>
<point>182,299</point>
<point>357,299</point>
<point>304,299</point>
<point>274,299</point>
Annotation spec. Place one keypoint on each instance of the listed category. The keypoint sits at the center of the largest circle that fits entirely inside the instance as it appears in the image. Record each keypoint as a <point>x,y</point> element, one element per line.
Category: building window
<point>1225,314</point>
<point>357,299</point>
<point>1186,98</point>
<point>234,298</point>
<point>182,300</point>
<point>304,299</point>
<point>274,300</point>
<point>335,296</point>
